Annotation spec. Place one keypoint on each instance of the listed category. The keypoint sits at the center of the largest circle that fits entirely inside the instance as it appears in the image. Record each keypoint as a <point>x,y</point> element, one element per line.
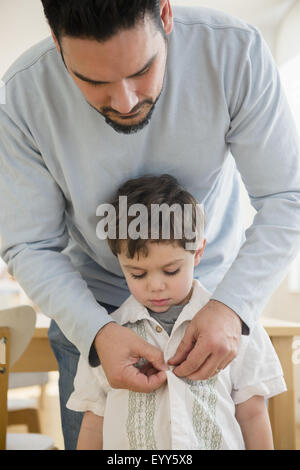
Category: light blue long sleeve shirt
<point>222,111</point>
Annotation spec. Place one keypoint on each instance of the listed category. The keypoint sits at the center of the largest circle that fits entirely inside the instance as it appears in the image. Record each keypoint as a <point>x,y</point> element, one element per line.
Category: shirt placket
<point>180,422</point>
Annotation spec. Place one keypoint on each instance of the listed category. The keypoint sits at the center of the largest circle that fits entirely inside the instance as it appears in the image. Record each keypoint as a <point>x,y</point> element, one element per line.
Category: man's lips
<point>132,114</point>
<point>129,115</point>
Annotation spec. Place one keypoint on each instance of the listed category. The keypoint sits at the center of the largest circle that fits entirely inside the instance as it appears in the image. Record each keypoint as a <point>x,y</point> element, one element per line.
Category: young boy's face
<point>164,277</point>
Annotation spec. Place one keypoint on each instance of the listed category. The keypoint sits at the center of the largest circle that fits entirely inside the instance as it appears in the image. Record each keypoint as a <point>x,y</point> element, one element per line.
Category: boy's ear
<point>199,253</point>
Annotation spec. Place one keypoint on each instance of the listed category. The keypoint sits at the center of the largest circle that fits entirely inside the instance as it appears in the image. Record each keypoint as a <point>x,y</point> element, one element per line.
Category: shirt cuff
<point>246,324</point>
<point>267,389</point>
<point>93,357</point>
<point>76,404</point>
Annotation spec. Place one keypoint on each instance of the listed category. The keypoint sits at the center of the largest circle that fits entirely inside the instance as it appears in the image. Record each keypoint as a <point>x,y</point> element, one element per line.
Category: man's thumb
<point>183,350</point>
<point>155,356</point>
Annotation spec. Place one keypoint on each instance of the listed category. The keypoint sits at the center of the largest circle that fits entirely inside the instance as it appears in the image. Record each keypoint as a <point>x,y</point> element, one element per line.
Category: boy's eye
<point>136,276</point>
<point>143,72</point>
<point>168,273</point>
<point>172,273</point>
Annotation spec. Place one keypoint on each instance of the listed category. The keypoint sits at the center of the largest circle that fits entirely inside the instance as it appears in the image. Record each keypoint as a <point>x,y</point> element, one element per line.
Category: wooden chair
<point>26,411</point>
<point>16,329</point>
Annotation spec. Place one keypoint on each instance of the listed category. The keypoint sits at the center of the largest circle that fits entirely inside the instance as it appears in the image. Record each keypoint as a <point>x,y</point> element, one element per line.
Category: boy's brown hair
<point>149,190</point>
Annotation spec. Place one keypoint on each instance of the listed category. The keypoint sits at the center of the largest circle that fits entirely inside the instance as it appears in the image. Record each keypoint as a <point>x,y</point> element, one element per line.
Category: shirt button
<point>159,329</point>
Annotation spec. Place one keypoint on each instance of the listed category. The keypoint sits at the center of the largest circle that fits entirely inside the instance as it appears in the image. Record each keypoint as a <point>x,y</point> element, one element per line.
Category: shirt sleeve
<point>257,369</point>
<point>90,389</point>
<point>264,143</point>
<point>34,233</point>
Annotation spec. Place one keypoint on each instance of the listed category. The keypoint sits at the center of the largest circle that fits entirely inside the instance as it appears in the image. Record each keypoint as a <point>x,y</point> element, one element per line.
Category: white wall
<point>22,24</point>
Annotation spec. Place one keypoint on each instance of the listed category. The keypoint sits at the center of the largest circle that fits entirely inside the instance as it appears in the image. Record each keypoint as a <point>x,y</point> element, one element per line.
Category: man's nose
<point>123,98</point>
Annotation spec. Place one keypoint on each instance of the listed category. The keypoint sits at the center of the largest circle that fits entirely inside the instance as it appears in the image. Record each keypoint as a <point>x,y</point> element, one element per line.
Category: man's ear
<point>199,253</point>
<point>166,15</point>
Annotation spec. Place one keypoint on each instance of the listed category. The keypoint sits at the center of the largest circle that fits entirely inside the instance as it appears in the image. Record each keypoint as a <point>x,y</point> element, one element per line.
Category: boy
<point>226,411</point>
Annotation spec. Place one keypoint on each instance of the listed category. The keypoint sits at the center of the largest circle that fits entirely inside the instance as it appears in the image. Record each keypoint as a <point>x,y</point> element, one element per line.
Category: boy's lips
<point>159,302</point>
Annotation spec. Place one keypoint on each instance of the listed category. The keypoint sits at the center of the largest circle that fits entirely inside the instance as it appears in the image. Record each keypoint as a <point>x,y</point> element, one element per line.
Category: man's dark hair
<point>98,19</point>
<point>149,190</point>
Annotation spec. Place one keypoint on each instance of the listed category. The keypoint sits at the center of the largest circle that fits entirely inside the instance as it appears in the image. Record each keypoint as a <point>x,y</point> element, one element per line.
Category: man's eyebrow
<point>142,269</point>
<point>98,82</point>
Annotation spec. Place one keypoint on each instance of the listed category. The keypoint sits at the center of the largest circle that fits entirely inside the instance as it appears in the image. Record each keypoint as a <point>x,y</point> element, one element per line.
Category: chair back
<point>16,329</point>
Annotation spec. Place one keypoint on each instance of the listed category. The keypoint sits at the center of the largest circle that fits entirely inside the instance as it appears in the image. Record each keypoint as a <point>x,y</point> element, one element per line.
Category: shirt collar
<point>132,311</point>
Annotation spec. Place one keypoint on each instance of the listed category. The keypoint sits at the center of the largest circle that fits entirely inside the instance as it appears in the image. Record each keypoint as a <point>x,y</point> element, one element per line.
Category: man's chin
<point>129,128</point>
<point>132,128</point>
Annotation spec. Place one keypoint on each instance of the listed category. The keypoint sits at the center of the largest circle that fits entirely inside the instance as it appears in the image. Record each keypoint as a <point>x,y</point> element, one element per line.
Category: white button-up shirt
<point>182,414</point>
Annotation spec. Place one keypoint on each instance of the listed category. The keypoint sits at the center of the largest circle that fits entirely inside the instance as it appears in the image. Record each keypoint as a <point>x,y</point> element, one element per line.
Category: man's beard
<point>130,129</point>
<point>123,129</point>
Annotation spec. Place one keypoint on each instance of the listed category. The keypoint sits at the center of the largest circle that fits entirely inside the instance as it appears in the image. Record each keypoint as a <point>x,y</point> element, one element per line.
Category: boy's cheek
<point>136,290</point>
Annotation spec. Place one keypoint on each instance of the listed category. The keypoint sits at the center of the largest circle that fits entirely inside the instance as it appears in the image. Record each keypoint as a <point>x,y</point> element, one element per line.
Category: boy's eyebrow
<point>98,82</point>
<point>142,269</point>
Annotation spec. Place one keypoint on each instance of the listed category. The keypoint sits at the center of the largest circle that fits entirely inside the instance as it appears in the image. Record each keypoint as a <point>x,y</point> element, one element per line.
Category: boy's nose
<point>157,285</point>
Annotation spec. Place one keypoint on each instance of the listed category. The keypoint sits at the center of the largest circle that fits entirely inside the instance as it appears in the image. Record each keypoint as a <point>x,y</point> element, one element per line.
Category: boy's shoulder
<point>129,312</point>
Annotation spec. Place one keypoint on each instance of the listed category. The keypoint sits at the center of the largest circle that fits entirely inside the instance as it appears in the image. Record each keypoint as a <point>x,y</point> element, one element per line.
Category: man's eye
<point>172,273</point>
<point>95,84</point>
<point>140,276</point>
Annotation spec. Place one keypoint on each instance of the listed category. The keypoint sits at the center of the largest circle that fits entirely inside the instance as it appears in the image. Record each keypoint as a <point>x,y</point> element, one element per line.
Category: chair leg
<point>29,417</point>
<point>42,396</point>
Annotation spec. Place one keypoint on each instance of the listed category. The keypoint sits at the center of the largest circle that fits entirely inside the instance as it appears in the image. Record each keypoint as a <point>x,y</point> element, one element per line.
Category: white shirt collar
<point>132,311</point>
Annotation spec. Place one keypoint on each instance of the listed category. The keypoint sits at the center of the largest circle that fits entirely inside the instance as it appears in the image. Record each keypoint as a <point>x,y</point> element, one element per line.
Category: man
<point>122,90</point>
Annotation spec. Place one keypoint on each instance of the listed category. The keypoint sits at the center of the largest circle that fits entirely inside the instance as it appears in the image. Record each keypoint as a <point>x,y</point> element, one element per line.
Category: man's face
<point>122,77</point>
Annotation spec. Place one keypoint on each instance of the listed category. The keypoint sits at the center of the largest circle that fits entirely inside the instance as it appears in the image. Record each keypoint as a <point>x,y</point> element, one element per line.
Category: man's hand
<point>210,342</point>
<point>119,348</point>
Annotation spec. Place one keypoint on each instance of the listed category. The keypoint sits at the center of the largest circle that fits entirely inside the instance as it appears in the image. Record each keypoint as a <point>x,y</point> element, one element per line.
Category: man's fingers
<point>119,349</point>
<point>209,369</point>
<point>153,355</point>
<point>152,375</point>
<point>183,350</point>
<point>136,381</point>
<point>156,380</point>
<point>148,369</point>
<point>226,362</point>
<point>213,364</point>
<point>194,361</point>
